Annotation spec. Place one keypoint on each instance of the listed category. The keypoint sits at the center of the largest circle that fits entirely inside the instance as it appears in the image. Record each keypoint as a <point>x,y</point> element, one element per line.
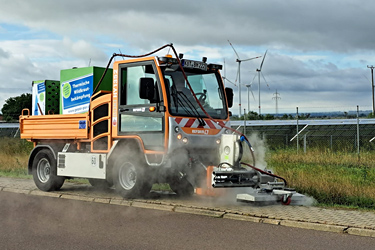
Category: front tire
<point>44,172</point>
<point>130,177</point>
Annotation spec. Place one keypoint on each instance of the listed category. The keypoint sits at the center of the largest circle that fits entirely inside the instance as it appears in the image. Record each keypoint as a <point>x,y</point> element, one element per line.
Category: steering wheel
<point>201,97</point>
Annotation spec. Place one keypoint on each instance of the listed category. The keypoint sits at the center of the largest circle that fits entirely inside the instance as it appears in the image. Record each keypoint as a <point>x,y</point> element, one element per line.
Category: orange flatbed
<point>73,126</point>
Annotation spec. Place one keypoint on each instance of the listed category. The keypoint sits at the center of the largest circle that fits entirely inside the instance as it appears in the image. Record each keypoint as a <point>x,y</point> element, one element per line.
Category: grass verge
<point>331,178</point>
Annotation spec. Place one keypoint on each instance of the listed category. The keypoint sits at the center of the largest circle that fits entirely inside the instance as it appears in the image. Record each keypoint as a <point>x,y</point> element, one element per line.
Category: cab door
<point>135,116</point>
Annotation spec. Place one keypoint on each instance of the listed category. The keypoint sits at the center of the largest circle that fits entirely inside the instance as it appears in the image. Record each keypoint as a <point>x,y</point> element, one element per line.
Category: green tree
<point>13,106</point>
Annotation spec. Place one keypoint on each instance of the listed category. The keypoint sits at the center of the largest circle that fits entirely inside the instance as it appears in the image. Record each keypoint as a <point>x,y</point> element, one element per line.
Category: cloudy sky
<point>317,58</point>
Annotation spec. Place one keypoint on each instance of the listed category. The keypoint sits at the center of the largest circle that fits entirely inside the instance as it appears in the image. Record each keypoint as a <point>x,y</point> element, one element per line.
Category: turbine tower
<point>239,74</point>
<point>248,86</point>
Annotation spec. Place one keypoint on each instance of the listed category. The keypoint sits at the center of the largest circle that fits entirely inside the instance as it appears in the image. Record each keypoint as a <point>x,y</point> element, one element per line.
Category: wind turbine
<point>239,74</point>
<point>259,73</point>
<point>248,86</point>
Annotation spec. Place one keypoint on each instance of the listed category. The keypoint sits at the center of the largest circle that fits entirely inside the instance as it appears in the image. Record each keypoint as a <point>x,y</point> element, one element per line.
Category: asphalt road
<point>33,222</point>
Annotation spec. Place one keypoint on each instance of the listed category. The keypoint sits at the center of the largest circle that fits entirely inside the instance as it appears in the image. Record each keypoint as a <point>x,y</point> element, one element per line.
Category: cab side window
<point>130,84</point>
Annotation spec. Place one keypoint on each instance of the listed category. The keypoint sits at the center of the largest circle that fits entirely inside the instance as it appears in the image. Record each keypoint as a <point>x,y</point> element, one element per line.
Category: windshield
<point>206,88</point>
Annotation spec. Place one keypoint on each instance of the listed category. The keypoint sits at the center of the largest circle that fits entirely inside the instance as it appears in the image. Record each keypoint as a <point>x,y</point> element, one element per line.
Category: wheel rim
<point>43,170</point>
<point>127,176</point>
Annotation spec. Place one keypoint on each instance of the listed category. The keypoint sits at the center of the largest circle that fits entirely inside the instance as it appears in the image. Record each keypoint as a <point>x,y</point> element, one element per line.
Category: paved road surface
<point>34,222</point>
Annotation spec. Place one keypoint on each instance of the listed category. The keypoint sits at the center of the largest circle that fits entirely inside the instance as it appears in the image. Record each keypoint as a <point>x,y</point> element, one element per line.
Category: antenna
<point>277,98</point>
<point>260,73</point>
<point>238,76</point>
<point>123,58</point>
<point>89,62</point>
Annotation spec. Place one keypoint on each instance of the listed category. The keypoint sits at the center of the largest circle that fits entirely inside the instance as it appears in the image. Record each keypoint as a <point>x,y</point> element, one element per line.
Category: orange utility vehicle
<point>150,128</point>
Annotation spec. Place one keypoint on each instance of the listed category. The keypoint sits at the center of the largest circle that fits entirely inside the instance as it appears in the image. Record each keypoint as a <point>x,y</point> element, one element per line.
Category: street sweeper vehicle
<point>148,119</point>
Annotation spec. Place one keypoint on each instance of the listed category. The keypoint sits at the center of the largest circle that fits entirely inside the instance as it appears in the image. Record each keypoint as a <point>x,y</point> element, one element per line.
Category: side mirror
<point>147,88</point>
<point>229,94</point>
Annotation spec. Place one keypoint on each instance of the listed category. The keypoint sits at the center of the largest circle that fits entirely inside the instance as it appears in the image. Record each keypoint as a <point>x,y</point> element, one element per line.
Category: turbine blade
<point>229,81</point>
<point>252,94</point>
<point>264,57</point>
<point>251,58</point>
<point>234,50</point>
<point>253,79</point>
<point>265,80</point>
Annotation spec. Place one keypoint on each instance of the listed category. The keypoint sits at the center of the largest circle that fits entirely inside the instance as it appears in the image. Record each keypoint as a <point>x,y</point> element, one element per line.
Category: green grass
<point>14,154</point>
<point>331,178</point>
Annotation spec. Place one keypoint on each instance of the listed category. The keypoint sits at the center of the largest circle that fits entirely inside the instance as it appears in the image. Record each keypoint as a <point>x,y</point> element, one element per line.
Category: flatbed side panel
<point>55,126</point>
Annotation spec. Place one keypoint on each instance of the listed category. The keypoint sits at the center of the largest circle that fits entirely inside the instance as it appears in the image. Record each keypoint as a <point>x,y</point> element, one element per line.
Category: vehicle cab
<point>174,114</point>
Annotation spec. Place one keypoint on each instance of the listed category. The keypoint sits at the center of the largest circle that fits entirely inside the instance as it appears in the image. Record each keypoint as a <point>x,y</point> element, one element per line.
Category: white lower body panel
<point>83,165</point>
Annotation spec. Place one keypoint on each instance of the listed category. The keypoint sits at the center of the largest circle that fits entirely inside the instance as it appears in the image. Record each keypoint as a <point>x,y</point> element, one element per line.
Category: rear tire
<point>130,177</point>
<point>44,171</point>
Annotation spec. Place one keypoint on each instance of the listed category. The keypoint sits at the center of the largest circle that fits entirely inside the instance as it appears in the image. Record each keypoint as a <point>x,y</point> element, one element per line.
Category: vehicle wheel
<point>286,200</point>
<point>44,171</point>
<point>181,186</point>
<point>130,178</point>
<point>99,183</point>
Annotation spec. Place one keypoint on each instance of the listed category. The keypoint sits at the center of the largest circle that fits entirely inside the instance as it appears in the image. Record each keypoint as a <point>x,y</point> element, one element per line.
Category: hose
<point>264,172</point>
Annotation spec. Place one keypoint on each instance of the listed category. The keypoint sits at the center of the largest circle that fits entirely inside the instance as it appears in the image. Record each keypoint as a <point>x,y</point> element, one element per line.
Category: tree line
<point>13,106</point>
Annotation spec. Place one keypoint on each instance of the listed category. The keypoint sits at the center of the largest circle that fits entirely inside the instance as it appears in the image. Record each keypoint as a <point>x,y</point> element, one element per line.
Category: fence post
<point>358,130</point>
<point>297,131</point>
<point>331,142</point>
<point>304,143</point>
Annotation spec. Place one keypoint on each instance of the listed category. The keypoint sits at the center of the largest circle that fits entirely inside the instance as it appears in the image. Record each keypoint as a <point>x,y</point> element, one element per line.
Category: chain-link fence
<point>352,135</point>
<point>9,130</point>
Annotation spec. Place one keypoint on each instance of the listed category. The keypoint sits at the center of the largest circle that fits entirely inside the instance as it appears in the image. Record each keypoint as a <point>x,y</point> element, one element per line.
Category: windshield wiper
<point>191,106</point>
<point>175,97</point>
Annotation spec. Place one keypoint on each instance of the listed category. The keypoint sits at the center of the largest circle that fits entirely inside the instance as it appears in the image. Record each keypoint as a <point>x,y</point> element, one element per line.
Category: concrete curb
<point>314,226</point>
<point>199,211</point>
<point>153,206</point>
<point>205,211</point>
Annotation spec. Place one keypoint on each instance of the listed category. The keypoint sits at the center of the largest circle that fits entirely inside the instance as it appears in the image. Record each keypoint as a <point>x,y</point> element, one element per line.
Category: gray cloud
<point>315,47</point>
<point>302,25</point>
